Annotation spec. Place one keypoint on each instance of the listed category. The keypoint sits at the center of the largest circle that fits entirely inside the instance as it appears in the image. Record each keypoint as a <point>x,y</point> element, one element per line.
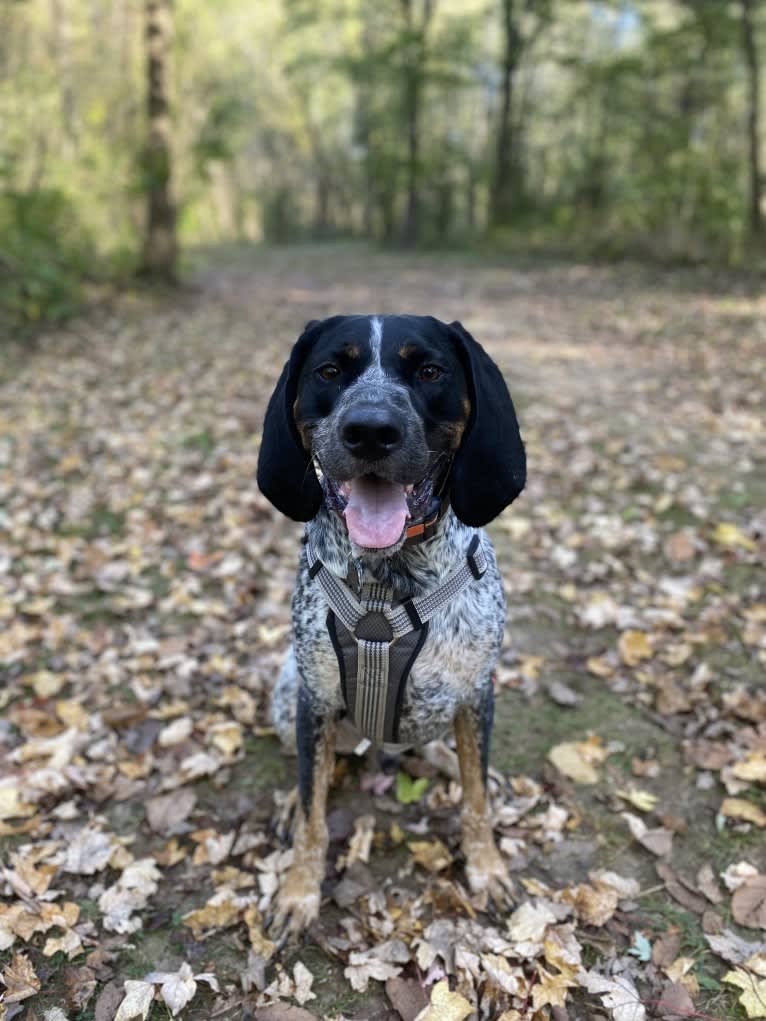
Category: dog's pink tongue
<point>376,512</point>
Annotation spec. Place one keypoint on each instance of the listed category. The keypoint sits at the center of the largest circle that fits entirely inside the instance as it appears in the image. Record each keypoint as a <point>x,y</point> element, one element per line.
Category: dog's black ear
<point>286,475</point>
<point>490,467</point>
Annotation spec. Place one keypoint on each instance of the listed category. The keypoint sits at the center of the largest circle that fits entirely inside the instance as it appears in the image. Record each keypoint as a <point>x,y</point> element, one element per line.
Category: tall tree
<point>160,251</point>
<point>504,178</point>
<point>750,50</point>
<point>416,30</point>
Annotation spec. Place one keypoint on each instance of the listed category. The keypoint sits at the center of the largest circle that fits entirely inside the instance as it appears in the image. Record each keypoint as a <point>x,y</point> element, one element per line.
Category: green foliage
<point>293,120</point>
<point>45,256</point>
<point>409,791</point>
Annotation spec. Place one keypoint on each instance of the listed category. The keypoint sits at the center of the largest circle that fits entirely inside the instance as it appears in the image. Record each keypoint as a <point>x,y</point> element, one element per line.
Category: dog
<point>395,438</point>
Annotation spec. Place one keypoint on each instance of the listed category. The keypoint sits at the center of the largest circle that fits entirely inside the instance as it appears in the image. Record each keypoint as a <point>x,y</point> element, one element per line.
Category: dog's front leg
<point>299,895</point>
<point>485,868</point>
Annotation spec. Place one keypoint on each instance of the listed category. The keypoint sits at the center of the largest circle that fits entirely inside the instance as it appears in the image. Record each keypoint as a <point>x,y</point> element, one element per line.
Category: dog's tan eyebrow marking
<point>351,350</point>
<point>407,350</point>
<point>466,407</point>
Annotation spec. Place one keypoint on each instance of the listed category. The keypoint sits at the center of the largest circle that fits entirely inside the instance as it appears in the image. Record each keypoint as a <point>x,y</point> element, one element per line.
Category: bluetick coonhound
<point>396,440</point>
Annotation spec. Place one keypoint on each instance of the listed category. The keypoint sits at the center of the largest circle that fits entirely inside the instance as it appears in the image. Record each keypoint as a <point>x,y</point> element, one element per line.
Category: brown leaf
<point>283,1012</point>
<point>407,997</point>
<point>80,986</point>
<point>748,905</point>
<point>675,1002</point>
<point>665,949</point>
<point>165,812</point>
<point>20,979</point>
<point>108,1001</point>
<point>678,891</point>
<point>707,884</point>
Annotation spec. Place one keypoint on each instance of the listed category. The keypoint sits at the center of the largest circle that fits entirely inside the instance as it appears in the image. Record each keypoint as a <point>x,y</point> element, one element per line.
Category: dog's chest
<point>451,668</point>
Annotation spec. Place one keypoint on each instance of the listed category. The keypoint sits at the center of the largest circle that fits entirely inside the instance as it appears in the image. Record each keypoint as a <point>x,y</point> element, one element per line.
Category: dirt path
<point>144,601</point>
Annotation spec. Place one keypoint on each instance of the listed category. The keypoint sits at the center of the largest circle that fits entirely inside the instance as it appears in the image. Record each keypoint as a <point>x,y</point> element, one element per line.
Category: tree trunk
<point>160,245</point>
<point>413,93</point>
<point>504,180</point>
<point>754,215</point>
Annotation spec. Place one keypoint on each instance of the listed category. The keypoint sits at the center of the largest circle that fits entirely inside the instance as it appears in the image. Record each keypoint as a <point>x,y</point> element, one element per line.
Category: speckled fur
<point>460,651</point>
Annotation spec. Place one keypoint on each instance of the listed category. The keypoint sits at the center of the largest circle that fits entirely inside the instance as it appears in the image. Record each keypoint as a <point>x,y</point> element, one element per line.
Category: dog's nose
<point>371,432</point>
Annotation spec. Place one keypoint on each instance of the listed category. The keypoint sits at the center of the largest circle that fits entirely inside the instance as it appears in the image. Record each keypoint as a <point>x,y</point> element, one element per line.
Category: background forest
<point>131,128</point>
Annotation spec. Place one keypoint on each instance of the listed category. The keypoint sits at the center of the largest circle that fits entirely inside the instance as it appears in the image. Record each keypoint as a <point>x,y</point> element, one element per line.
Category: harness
<point>377,641</point>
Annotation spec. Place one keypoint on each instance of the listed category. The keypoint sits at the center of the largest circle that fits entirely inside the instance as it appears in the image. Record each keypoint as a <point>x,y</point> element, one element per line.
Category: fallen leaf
<point>529,921</point>
<point>752,769</point>
<point>550,990</point>
<point>576,759</point>
<point>407,997</point>
<point>137,1001</point>
<point>445,1006</point>
<point>748,905</point>
<point>731,535</point>
<point>407,790</point>
<point>739,808</point>
<point>675,1002</point>
<point>433,855</point>
<point>178,988</point>
<point>167,811</point>
<point>303,981</point>
<point>20,979</point>
<point>753,997</point>
<point>644,801</point>
<point>634,646</point>
<point>619,995</point>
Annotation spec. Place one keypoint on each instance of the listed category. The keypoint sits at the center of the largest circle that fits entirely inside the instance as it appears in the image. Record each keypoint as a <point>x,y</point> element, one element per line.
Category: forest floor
<point>144,610</point>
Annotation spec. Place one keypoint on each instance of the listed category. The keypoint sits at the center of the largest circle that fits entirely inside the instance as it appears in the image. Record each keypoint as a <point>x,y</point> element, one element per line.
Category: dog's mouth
<point>376,510</point>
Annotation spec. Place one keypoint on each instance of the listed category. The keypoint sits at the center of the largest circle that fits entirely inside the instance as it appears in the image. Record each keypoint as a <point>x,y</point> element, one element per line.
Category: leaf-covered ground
<point>144,609</point>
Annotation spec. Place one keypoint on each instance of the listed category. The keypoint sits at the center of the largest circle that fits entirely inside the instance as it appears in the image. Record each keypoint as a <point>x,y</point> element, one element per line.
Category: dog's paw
<point>296,907</point>
<point>487,875</point>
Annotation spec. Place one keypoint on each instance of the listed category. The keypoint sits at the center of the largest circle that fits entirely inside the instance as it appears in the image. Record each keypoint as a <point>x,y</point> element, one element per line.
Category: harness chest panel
<point>377,642</point>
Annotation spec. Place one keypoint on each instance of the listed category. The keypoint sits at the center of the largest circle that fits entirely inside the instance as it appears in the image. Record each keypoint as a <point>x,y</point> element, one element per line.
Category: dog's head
<point>393,409</point>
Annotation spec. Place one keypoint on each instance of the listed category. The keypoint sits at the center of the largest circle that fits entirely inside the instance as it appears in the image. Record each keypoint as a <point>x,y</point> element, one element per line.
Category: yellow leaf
<point>431,854</point>
<point>72,714</point>
<point>445,1006</point>
<point>739,808</point>
<point>227,737</point>
<point>11,805</point>
<point>644,801</point>
<point>551,991</point>
<point>44,683</point>
<point>634,646</point>
<point>530,667</point>
<point>753,997</point>
<point>219,912</point>
<point>752,769</point>
<point>731,535</point>
<point>600,666</point>
<point>576,759</point>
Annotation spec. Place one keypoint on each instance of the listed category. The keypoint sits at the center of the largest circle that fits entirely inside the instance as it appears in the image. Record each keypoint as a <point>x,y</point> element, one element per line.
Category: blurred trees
<point>607,126</point>
<point>160,248</point>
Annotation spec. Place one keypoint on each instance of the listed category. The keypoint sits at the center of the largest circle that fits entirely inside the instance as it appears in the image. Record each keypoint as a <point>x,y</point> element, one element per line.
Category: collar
<point>425,527</point>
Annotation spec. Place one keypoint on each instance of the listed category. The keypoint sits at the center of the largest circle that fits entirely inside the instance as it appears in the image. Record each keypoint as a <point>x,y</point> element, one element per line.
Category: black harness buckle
<point>477,571</point>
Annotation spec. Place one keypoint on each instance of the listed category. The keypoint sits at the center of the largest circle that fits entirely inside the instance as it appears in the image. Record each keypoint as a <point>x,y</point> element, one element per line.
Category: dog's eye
<point>429,373</point>
<point>328,372</point>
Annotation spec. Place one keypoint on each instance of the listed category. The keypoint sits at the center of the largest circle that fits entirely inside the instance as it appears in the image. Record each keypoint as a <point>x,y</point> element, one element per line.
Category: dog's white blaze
<point>376,339</point>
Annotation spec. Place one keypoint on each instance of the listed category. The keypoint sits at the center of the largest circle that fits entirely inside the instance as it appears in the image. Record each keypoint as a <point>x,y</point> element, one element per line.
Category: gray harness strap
<point>377,642</point>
